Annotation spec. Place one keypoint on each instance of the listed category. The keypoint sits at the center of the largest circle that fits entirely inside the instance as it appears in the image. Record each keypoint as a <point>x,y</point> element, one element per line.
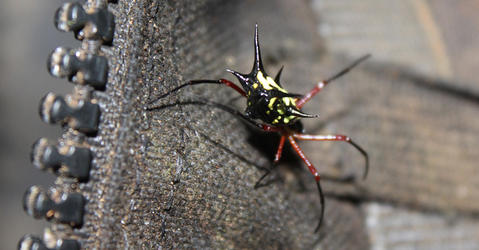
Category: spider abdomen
<point>278,111</point>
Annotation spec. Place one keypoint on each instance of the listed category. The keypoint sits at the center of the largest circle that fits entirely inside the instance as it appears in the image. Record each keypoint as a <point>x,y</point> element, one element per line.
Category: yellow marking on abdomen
<point>268,83</point>
<point>288,101</point>
<point>288,119</point>
<point>271,103</point>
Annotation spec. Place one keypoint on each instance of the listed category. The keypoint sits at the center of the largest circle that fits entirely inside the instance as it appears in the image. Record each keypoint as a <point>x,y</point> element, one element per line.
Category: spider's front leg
<point>203,81</point>
<point>277,157</point>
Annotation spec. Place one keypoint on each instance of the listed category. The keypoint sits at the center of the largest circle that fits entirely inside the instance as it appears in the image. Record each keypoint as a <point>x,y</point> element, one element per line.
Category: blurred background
<point>437,39</point>
<point>27,36</point>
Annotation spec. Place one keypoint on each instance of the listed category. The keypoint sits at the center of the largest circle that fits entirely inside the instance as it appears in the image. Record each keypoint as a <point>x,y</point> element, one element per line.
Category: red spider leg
<point>313,171</point>
<point>301,154</point>
<point>268,128</point>
<point>233,86</point>
<point>277,157</point>
<point>337,138</point>
<point>300,102</point>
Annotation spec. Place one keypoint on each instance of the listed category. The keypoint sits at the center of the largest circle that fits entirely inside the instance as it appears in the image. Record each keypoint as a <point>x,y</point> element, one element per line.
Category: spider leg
<point>228,109</point>
<point>278,75</point>
<point>321,200</point>
<point>300,103</point>
<point>313,171</point>
<point>263,127</point>
<point>277,157</point>
<point>196,82</point>
<point>337,138</point>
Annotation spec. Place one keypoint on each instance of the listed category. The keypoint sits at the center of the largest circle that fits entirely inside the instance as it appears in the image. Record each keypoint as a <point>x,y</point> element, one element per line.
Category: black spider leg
<point>201,81</point>
<point>258,183</point>
<point>365,155</point>
<point>321,201</point>
<point>278,76</point>
<point>226,149</point>
<point>277,157</point>
<point>348,68</point>
<point>212,104</point>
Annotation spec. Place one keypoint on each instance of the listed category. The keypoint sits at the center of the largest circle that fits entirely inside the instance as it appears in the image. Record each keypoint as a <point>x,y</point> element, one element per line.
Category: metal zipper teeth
<point>94,25</point>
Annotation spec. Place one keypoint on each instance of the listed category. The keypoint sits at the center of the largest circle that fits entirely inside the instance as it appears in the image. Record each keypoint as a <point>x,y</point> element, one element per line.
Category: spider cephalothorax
<point>277,109</point>
<point>266,99</point>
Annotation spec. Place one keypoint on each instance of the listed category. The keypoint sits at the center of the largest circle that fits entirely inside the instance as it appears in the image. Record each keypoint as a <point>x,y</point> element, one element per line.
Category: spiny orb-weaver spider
<point>278,110</point>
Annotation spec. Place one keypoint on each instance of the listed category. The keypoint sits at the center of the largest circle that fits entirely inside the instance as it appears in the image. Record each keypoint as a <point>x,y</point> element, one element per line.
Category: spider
<point>277,111</point>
